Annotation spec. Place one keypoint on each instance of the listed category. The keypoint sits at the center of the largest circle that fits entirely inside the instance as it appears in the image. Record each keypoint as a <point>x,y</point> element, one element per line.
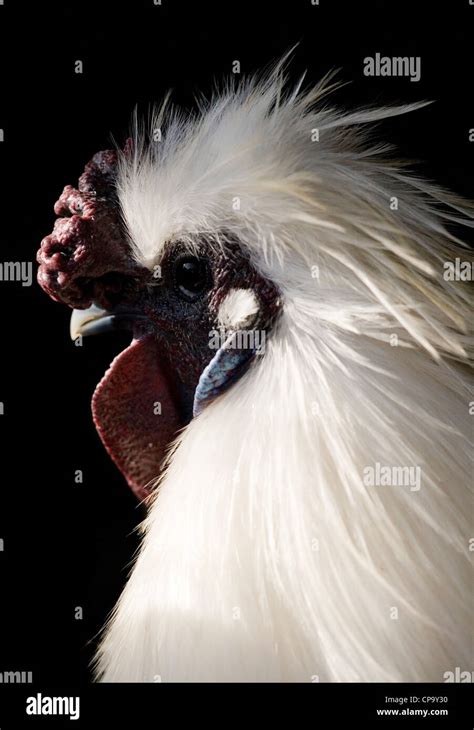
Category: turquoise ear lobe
<point>228,364</point>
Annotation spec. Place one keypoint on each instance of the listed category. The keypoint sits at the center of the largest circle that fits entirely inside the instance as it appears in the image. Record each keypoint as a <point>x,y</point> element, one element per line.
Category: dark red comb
<point>87,258</point>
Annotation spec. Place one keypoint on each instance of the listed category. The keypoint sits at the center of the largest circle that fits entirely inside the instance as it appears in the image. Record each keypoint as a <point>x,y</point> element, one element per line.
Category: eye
<point>191,277</point>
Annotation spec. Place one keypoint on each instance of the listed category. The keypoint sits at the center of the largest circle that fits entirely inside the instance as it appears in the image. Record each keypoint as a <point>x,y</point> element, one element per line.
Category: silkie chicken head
<point>295,399</point>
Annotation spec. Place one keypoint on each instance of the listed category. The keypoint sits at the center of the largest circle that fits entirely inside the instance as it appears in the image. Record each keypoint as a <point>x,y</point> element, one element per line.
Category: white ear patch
<point>238,310</point>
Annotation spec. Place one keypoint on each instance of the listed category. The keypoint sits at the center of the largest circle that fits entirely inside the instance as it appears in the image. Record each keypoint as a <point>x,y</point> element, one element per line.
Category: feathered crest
<point>289,176</point>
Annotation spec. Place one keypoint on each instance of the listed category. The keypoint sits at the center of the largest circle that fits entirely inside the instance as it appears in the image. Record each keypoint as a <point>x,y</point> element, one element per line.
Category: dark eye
<point>191,277</point>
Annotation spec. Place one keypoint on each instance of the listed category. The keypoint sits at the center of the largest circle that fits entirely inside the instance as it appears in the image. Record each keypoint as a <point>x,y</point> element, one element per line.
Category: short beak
<point>91,321</point>
<point>96,321</point>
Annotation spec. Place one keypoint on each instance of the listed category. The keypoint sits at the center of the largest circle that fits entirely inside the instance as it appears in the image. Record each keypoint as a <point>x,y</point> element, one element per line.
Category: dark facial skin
<point>87,260</point>
<point>183,326</point>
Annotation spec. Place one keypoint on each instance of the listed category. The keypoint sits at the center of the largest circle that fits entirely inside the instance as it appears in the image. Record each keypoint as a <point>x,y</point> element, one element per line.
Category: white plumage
<point>265,556</point>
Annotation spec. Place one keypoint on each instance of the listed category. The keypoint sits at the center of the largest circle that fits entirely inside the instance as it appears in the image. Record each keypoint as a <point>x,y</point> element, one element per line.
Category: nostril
<point>106,291</point>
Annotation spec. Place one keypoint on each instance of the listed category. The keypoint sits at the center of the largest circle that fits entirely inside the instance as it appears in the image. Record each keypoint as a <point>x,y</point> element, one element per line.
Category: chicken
<point>295,403</point>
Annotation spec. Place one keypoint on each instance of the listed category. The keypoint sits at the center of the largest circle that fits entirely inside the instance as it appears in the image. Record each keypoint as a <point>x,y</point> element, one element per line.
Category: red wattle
<point>134,413</point>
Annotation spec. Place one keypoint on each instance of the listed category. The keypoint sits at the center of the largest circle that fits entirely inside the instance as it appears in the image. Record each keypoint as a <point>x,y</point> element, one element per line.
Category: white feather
<point>265,556</point>
<point>238,309</point>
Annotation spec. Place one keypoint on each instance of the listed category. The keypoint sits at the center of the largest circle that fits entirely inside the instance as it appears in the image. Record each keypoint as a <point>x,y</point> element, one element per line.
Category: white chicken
<point>312,519</point>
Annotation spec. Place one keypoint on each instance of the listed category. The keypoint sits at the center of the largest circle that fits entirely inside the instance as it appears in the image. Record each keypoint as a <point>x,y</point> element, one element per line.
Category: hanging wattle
<point>136,414</point>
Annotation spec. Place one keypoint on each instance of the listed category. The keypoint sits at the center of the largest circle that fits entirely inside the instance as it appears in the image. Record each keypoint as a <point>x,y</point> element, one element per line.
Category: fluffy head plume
<point>268,554</point>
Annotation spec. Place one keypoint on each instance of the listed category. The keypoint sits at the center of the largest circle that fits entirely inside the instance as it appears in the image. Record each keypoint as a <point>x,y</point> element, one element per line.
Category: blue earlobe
<point>228,365</point>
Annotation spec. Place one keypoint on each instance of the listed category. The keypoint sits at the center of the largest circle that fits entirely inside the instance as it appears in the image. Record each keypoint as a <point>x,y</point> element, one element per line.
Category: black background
<point>67,544</point>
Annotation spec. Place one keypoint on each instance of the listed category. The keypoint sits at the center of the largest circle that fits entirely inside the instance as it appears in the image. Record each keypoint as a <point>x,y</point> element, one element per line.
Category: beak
<point>92,321</point>
<point>96,321</point>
